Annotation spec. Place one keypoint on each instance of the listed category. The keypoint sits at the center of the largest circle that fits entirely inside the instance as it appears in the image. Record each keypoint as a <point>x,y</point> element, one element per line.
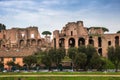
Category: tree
<point>89,50</point>
<point>1,65</point>
<point>80,60</point>
<point>72,52</point>
<point>2,27</point>
<point>97,62</point>
<point>30,61</point>
<point>47,39</point>
<point>82,49</point>
<point>10,64</point>
<point>103,28</point>
<point>46,60</point>
<point>46,33</point>
<point>39,56</point>
<point>57,55</point>
<point>114,56</point>
<point>118,31</point>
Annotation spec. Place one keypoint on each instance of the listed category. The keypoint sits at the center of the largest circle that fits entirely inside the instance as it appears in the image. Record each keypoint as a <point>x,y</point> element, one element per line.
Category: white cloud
<point>29,13</point>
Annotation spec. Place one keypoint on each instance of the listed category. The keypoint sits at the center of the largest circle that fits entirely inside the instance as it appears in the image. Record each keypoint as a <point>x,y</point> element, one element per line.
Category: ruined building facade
<point>74,34</point>
<point>17,43</point>
<point>20,38</point>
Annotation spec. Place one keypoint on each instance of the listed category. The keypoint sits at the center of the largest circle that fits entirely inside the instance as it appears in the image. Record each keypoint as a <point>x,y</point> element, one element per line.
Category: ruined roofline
<point>25,27</point>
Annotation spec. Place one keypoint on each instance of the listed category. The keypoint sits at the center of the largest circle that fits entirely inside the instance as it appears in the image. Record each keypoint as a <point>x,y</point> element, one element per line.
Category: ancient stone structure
<point>74,34</point>
<point>20,38</point>
<point>17,43</point>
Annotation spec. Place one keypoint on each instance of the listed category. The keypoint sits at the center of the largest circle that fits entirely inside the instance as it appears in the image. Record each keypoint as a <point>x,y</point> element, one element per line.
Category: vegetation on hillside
<point>103,28</point>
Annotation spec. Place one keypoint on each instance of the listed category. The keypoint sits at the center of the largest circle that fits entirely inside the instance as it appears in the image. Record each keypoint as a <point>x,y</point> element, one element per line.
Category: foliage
<point>46,60</point>
<point>10,63</point>
<point>118,31</point>
<point>39,56</point>
<point>82,49</point>
<point>1,65</point>
<point>114,56</point>
<point>95,61</point>
<point>30,61</point>
<point>2,27</point>
<point>57,55</point>
<point>46,33</point>
<point>87,51</point>
<point>103,28</point>
<point>80,60</point>
<point>72,52</point>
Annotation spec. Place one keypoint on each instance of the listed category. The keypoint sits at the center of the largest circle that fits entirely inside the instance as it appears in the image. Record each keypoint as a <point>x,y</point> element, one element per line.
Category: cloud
<point>54,14</point>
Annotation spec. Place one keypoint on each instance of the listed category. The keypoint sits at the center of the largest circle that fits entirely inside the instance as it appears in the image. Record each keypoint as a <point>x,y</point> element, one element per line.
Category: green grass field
<point>13,76</point>
<point>61,73</point>
<point>61,78</point>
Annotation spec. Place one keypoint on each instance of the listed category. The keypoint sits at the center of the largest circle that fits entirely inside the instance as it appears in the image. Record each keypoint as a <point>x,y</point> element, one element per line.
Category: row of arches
<point>71,42</point>
<point>81,41</point>
<point>30,42</point>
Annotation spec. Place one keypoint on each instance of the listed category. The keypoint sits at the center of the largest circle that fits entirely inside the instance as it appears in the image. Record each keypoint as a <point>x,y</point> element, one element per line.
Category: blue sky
<point>54,14</point>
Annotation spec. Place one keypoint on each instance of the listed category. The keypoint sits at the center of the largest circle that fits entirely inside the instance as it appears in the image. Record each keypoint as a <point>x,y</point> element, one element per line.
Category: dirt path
<point>59,75</point>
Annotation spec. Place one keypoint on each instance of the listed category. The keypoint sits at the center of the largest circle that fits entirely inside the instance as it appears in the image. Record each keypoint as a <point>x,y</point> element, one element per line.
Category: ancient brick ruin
<point>74,34</point>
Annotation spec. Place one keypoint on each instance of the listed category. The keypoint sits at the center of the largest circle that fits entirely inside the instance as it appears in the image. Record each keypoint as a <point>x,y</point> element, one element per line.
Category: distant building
<point>17,43</point>
<point>74,34</point>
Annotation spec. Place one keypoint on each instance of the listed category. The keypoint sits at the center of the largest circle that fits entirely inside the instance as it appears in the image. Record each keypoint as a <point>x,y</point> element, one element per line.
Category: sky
<point>54,14</point>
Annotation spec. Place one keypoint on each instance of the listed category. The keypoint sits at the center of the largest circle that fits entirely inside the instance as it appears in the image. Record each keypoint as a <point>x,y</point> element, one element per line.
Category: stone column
<point>76,42</point>
<point>57,43</point>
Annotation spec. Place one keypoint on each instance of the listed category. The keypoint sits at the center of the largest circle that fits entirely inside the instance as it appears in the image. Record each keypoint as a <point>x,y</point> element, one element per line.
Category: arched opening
<point>28,42</point>
<point>109,43</point>
<point>91,42</point>
<point>21,43</point>
<point>99,42</point>
<point>71,33</point>
<point>71,42</point>
<point>39,42</point>
<point>116,40</point>
<point>33,42</point>
<point>100,51</point>
<point>81,41</point>
<point>61,42</point>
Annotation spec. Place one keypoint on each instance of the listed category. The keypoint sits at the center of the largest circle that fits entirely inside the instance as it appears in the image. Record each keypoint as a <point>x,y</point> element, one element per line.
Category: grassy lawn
<point>61,78</point>
<point>61,73</point>
<point>14,77</point>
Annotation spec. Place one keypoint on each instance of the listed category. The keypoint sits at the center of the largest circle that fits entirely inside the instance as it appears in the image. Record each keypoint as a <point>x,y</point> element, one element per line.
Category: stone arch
<point>39,42</point>
<point>81,41</point>
<point>100,51</point>
<point>91,41</point>
<point>33,42</point>
<point>71,42</point>
<point>61,42</point>
<point>116,40</point>
<point>28,42</point>
<point>21,43</point>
